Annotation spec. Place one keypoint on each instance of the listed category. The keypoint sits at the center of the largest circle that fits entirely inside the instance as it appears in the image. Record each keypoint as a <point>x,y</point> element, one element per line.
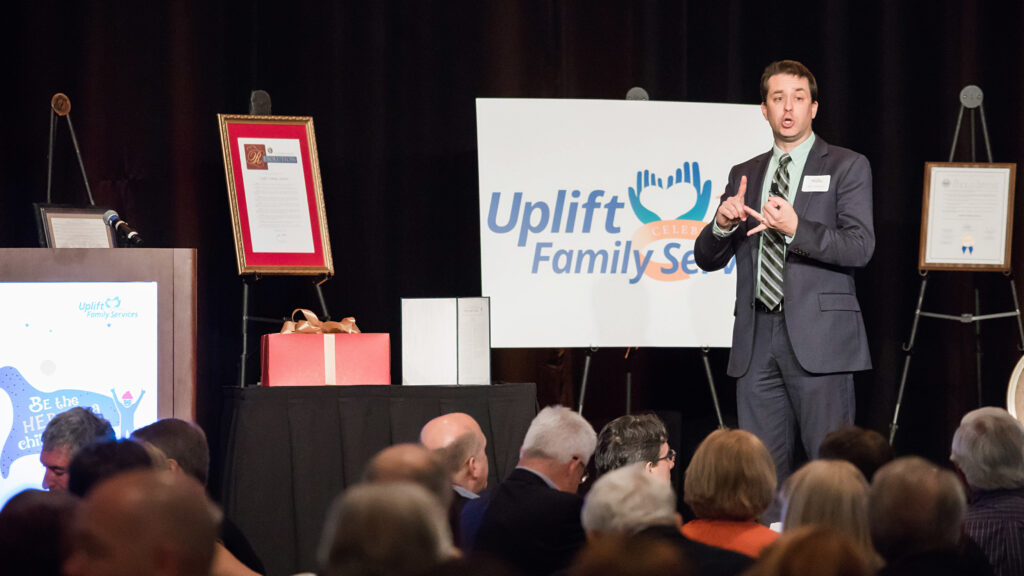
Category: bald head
<point>410,463</point>
<point>459,442</point>
<point>144,522</point>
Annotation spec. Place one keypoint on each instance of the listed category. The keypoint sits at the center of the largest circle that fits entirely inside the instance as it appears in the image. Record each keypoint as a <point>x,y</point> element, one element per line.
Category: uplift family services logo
<point>671,211</point>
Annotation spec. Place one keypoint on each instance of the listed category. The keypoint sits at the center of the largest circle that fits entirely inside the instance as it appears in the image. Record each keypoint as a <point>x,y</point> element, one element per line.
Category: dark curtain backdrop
<point>391,85</point>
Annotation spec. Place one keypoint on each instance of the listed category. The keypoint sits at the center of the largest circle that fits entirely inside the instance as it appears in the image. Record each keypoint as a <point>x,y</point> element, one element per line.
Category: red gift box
<point>331,359</point>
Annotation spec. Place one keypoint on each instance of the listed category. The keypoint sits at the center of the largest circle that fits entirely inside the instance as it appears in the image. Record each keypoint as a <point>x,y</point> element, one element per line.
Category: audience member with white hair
<point>729,483</point>
<point>916,511</point>
<point>384,529</point>
<point>988,449</point>
<point>532,521</point>
<point>630,502</point>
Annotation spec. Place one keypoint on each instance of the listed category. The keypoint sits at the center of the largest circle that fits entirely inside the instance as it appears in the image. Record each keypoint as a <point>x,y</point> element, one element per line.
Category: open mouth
<point>787,122</point>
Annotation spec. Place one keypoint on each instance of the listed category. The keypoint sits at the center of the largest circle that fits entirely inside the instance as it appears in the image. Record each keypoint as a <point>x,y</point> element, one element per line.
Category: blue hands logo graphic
<point>661,202</point>
<point>114,302</point>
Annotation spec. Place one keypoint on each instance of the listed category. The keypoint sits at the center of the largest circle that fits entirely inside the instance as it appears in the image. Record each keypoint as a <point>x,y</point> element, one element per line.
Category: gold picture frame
<point>967,216</point>
<point>276,195</point>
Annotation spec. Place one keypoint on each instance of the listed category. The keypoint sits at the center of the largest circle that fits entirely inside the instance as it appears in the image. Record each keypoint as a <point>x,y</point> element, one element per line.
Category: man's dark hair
<point>629,439</point>
<point>181,441</point>
<point>97,462</point>
<point>74,429</point>
<point>790,68</point>
<point>866,449</point>
<point>35,532</point>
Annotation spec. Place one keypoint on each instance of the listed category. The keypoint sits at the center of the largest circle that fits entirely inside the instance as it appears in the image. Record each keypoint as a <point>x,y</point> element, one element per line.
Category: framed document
<point>967,216</point>
<point>276,197</point>
<point>63,226</point>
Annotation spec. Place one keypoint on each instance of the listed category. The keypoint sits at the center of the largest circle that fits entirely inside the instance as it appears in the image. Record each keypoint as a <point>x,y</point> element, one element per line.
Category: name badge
<point>816,183</point>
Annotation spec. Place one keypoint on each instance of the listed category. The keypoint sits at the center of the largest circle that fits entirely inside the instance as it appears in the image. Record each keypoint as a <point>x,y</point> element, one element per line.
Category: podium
<point>173,270</point>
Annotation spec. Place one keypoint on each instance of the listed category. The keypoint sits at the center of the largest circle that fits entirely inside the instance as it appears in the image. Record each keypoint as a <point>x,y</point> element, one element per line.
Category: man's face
<point>789,110</point>
<point>56,462</point>
<point>663,467</point>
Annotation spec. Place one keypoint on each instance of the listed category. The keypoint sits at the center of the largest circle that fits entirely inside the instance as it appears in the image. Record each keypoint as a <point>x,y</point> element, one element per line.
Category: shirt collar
<point>468,494</point>
<point>539,475</point>
<point>798,155</point>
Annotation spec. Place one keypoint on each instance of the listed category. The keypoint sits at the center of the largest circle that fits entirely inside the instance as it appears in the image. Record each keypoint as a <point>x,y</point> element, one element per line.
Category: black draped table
<point>287,452</point>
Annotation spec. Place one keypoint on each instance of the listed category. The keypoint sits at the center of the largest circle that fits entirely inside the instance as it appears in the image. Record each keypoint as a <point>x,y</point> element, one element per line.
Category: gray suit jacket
<point>835,235</point>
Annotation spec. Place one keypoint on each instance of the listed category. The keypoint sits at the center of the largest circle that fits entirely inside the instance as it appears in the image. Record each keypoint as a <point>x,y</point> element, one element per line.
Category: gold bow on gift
<point>313,325</point>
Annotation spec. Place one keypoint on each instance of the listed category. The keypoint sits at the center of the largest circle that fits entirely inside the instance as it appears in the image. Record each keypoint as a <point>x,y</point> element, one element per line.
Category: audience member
<point>635,438</point>
<point>988,449</point>
<point>631,556</point>
<point>144,522</point>
<point>630,501</point>
<point>832,493</point>
<point>814,549</point>
<point>63,437</point>
<point>386,529</point>
<point>533,519</point>
<point>458,441</point>
<point>410,463</point>
<point>730,481</point>
<point>183,443</point>
<point>101,460</point>
<point>866,449</point>
<point>35,531</point>
<point>184,447</point>
<point>917,512</point>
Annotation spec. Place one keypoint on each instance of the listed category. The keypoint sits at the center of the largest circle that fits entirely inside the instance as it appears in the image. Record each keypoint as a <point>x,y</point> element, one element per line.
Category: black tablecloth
<point>289,451</point>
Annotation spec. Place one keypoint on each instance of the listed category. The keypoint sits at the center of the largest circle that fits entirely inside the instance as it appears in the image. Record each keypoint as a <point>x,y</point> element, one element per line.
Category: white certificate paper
<point>72,232</point>
<point>967,215</point>
<point>275,195</point>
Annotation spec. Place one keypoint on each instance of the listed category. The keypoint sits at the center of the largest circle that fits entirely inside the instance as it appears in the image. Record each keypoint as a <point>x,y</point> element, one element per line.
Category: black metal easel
<point>260,105</point>
<point>971,97</point>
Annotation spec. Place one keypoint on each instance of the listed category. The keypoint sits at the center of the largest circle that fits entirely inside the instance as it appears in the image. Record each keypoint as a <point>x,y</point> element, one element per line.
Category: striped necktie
<point>773,245</point>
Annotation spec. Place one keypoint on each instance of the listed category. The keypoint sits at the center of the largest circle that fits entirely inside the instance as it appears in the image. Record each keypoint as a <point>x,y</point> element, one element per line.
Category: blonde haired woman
<point>729,483</point>
<point>831,493</point>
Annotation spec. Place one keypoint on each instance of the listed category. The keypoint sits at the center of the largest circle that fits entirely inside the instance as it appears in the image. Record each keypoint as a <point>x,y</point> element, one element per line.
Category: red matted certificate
<point>276,197</point>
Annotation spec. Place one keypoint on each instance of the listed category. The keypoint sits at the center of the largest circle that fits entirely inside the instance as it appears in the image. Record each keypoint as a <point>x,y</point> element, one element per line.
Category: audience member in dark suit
<point>533,519</point>
<point>184,446</point>
<point>460,444</point>
<point>988,449</point>
<point>630,501</point>
<point>916,510</point>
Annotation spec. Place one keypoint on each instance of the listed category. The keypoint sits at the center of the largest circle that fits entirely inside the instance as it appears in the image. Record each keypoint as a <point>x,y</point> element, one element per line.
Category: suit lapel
<point>815,166</point>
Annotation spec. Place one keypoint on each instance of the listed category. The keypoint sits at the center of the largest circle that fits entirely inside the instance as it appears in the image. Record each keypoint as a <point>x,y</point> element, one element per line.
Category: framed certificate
<point>63,226</point>
<point>276,197</point>
<point>967,216</point>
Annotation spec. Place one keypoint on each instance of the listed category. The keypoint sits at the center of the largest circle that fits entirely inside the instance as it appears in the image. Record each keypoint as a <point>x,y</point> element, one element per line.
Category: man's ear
<point>474,467</point>
<point>173,465</point>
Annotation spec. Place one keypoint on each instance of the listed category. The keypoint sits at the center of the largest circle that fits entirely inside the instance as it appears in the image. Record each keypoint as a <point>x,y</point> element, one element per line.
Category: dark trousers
<point>777,399</point>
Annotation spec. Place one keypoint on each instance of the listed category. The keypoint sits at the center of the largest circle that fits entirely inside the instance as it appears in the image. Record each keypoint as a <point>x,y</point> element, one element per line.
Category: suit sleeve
<point>851,241</point>
<point>710,251</point>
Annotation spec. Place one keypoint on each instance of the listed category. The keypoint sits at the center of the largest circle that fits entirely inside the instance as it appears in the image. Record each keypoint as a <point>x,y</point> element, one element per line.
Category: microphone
<point>637,93</point>
<point>112,219</point>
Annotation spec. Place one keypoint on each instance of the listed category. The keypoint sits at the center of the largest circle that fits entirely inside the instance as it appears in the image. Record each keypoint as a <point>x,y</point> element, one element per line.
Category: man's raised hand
<point>731,211</point>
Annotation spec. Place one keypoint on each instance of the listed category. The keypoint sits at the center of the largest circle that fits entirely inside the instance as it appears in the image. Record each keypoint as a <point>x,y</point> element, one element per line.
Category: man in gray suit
<point>798,220</point>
